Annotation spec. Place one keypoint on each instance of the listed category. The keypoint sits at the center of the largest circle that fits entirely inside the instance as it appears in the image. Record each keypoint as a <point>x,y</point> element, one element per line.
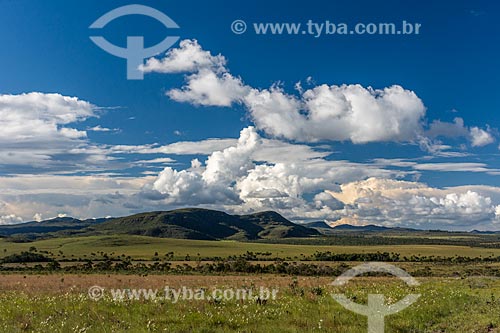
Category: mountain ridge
<point>193,223</point>
<point>185,223</point>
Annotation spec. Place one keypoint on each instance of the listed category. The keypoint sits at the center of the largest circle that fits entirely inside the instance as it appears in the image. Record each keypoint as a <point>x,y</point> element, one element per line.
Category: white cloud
<point>159,160</point>
<point>38,217</point>
<point>40,184</point>
<point>203,147</point>
<point>480,137</point>
<point>234,162</point>
<point>411,204</point>
<point>338,113</point>
<point>232,179</point>
<point>477,136</point>
<point>37,118</point>
<point>99,128</point>
<point>10,219</point>
<point>210,84</point>
<point>277,151</point>
<point>255,174</point>
<point>441,166</point>
<point>210,88</point>
<point>212,183</point>
<point>31,197</point>
<point>189,57</point>
<point>445,129</point>
<point>270,150</point>
<point>251,173</point>
<point>184,185</point>
<point>455,167</point>
<point>38,133</point>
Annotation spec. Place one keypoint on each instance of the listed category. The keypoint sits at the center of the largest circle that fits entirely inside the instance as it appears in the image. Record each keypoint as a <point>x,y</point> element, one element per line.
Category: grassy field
<point>140,247</point>
<point>459,297</point>
<point>57,303</point>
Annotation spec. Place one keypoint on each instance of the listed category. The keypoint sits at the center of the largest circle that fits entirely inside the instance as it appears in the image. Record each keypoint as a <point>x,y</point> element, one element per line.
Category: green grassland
<point>143,247</point>
<point>455,297</point>
<point>445,305</point>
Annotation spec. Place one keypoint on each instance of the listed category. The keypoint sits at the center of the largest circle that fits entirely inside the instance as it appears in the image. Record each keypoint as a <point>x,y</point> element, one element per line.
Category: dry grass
<point>56,283</point>
<point>59,303</point>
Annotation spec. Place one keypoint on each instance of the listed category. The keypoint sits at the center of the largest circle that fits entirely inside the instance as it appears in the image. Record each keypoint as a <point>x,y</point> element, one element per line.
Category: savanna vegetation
<point>47,269</point>
<point>57,303</point>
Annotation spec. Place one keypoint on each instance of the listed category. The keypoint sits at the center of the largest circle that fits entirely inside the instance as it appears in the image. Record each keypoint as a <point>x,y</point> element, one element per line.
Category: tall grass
<point>446,305</point>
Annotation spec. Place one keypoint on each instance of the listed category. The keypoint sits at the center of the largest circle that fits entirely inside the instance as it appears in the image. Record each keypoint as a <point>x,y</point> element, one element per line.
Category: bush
<point>26,257</point>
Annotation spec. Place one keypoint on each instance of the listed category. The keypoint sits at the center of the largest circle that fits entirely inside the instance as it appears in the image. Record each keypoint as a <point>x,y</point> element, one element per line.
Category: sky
<point>358,128</point>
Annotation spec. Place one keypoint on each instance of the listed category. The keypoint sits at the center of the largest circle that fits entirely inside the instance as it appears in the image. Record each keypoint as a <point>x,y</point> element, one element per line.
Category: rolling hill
<point>189,223</point>
<point>318,225</point>
<point>48,226</point>
<point>362,228</point>
<point>203,224</point>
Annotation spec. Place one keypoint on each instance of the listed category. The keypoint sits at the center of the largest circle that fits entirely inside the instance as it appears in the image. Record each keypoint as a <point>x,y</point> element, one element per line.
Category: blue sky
<point>451,67</point>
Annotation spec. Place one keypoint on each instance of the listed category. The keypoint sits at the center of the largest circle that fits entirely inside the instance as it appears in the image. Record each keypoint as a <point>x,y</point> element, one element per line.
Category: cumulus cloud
<point>210,89</point>
<point>184,185</point>
<point>251,173</point>
<point>210,84</point>
<point>402,203</point>
<point>338,191</point>
<point>38,133</point>
<point>37,118</point>
<point>188,57</point>
<point>212,183</point>
<point>234,179</point>
<point>10,219</point>
<point>324,112</point>
<point>451,130</point>
<point>480,137</point>
<point>233,162</point>
<point>338,113</point>
<point>254,174</point>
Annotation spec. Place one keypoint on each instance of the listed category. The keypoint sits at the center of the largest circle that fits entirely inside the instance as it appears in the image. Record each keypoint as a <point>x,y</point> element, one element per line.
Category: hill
<point>33,229</point>
<point>202,224</point>
<point>206,224</point>
<point>318,225</point>
<point>362,228</point>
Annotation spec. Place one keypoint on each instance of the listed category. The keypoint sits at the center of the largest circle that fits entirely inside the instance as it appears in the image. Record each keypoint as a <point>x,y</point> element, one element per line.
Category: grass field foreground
<point>57,303</point>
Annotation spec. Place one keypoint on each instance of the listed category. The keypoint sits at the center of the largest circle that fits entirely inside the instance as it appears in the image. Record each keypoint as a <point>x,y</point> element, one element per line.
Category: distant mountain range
<point>347,227</point>
<point>48,226</point>
<point>318,225</point>
<point>191,223</point>
<point>326,229</point>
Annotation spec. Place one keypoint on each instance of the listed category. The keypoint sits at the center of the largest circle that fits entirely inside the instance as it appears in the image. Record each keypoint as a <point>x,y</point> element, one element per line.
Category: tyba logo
<point>135,52</point>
